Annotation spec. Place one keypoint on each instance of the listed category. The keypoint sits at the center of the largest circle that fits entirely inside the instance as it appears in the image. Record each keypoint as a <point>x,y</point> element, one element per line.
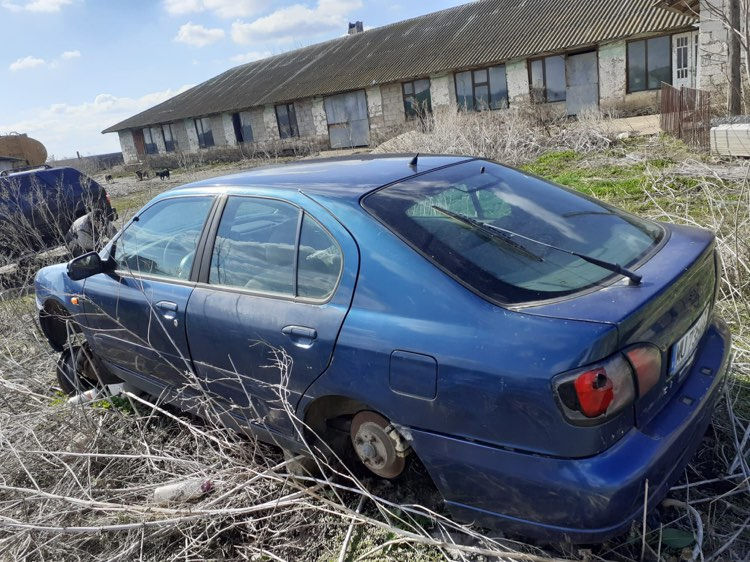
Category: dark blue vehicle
<point>38,207</point>
<point>543,354</point>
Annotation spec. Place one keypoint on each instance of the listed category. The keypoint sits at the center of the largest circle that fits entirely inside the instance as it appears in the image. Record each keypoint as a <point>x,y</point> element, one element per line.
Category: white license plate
<point>684,349</point>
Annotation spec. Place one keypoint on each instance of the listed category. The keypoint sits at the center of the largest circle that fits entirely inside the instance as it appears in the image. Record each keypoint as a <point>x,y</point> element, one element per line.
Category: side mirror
<point>87,265</point>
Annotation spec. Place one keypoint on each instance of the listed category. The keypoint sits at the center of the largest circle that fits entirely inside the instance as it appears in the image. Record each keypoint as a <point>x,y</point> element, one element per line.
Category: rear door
<point>348,123</point>
<point>136,315</point>
<point>276,284</point>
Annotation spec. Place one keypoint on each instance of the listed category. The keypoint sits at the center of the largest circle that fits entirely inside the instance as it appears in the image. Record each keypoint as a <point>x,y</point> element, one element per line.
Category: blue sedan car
<point>541,353</point>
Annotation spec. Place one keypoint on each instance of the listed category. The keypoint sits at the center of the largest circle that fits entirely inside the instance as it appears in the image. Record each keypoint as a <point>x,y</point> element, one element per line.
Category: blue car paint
<point>66,192</point>
<point>483,420</point>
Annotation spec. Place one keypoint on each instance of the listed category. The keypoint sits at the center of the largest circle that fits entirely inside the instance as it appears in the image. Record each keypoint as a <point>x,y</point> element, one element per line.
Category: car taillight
<point>595,393</point>
<point>107,196</point>
<point>646,363</point>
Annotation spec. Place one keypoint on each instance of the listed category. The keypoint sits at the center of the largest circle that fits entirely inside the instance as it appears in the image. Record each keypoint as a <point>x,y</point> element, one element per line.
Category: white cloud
<point>66,128</point>
<point>222,8</point>
<point>296,21</point>
<point>36,5</point>
<point>67,55</point>
<point>26,63</point>
<point>243,58</point>
<point>198,35</point>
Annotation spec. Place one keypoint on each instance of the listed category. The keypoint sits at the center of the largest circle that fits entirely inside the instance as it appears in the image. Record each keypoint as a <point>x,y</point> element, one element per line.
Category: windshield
<point>449,215</point>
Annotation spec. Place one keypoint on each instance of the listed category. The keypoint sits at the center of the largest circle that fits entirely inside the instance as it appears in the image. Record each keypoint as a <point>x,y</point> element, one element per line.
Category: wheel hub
<point>378,445</point>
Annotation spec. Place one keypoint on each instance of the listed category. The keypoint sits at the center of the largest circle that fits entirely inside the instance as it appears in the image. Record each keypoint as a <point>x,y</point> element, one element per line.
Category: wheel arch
<point>54,319</point>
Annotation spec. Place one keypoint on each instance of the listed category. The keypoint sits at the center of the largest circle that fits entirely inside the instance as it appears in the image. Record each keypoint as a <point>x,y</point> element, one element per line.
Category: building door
<point>582,76</point>
<point>684,59</point>
<point>348,124</point>
<point>139,142</point>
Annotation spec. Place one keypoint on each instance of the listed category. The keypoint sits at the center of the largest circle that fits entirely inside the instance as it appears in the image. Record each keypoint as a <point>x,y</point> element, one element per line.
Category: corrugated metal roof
<point>474,34</point>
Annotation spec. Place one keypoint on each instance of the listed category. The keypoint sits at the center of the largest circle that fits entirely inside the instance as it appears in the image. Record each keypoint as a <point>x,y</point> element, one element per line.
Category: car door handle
<point>167,305</point>
<point>300,333</point>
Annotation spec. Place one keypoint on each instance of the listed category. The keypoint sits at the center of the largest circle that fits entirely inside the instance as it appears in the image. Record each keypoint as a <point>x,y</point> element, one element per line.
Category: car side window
<point>319,261</point>
<point>163,239</point>
<point>256,245</point>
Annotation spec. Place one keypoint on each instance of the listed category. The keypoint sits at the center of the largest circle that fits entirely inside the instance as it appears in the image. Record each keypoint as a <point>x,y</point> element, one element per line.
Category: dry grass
<point>76,482</point>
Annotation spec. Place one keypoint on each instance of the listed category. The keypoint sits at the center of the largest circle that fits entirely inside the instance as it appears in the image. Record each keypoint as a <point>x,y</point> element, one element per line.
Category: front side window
<point>267,246</point>
<point>203,130</point>
<point>170,143</point>
<point>162,240</point>
<point>287,119</point>
<point>417,100</point>
<point>148,139</point>
<point>491,228</point>
<point>486,88</point>
<point>649,63</point>
<point>547,76</point>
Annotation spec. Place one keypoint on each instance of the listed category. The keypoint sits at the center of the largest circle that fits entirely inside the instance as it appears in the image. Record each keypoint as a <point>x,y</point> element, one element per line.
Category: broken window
<point>417,100</point>
<point>287,119</point>
<point>170,143</point>
<point>649,63</point>
<point>149,143</point>
<point>547,77</point>
<point>203,130</point>
<point>486,88</point>
<point>243,131</point>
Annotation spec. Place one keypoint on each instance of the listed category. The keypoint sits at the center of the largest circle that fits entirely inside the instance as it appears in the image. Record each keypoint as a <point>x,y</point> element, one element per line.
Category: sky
<point>71,68</point>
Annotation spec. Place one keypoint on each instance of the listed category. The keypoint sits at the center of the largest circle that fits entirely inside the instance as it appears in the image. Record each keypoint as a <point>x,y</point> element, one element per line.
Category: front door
<point>135,317</point>
<point>263,323</point>
<point>582,92</point>
<point>139,142</point>
<point>684,59</point>
<point>348,124</point>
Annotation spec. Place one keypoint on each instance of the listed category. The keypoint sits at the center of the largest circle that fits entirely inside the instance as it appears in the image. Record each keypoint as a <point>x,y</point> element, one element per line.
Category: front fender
<point>53,291</point>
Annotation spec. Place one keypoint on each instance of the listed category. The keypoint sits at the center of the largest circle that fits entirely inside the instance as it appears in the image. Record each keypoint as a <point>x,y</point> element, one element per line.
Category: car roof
<point>346,177</point>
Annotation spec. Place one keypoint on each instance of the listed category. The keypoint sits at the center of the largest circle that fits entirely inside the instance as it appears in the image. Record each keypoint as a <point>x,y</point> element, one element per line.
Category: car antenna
<point>483,170</point>
<point>414,161</point>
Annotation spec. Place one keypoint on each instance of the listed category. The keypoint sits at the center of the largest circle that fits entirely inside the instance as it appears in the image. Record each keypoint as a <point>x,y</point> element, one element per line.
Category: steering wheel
<point>166,250</point>
<point>184,262</point>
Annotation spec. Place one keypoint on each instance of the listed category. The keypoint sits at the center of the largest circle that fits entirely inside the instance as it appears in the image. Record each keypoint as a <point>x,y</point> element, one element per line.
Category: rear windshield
<point>448,216</point>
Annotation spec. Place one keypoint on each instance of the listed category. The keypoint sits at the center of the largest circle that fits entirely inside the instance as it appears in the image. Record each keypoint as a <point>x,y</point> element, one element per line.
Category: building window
<point>486,88</point>
<point>649,63</point>
<point>170,143</point>
<point>148,139</point>
<point>203,130</point>
<point>287,120</point>
<point>417,99</point>
<point>243,132</point>
<point>547,78</point>
<point>682,50</point>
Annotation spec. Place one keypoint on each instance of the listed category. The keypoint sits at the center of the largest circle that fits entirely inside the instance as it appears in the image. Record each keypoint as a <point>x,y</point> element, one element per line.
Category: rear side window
<point>319,261</point>
<point>163,239</point>
<point>270,246</point>
<point>487,226</point>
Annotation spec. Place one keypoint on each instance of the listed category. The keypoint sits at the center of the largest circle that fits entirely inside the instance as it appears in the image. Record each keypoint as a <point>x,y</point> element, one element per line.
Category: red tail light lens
<point>107,196</point>
<point>646,362</point>
<point>595,393</point>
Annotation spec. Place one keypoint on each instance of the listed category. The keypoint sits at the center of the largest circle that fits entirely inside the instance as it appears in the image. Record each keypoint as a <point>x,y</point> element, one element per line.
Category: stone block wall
<point>270,125</point>
<point>713,49</point>
<point>191,136</point>
<point>127,145</point>
<point>375,108</point>
<point>442,90</point>
<point>612,75</point>
<point>393,104</point>
<point>227,125</point>
<point>517,77</point>
<point>180,135</point>
<point>305,121</point>
<point>320,120</point>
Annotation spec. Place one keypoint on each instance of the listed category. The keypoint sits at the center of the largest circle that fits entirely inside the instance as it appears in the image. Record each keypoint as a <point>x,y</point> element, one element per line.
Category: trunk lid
<point>677,293</point>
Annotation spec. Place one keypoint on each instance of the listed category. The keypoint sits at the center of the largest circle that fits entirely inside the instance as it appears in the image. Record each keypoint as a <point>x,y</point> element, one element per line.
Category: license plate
<point>684,349</point>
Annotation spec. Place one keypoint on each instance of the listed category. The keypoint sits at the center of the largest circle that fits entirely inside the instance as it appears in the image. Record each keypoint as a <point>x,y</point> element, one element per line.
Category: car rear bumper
<point>584,500</point>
